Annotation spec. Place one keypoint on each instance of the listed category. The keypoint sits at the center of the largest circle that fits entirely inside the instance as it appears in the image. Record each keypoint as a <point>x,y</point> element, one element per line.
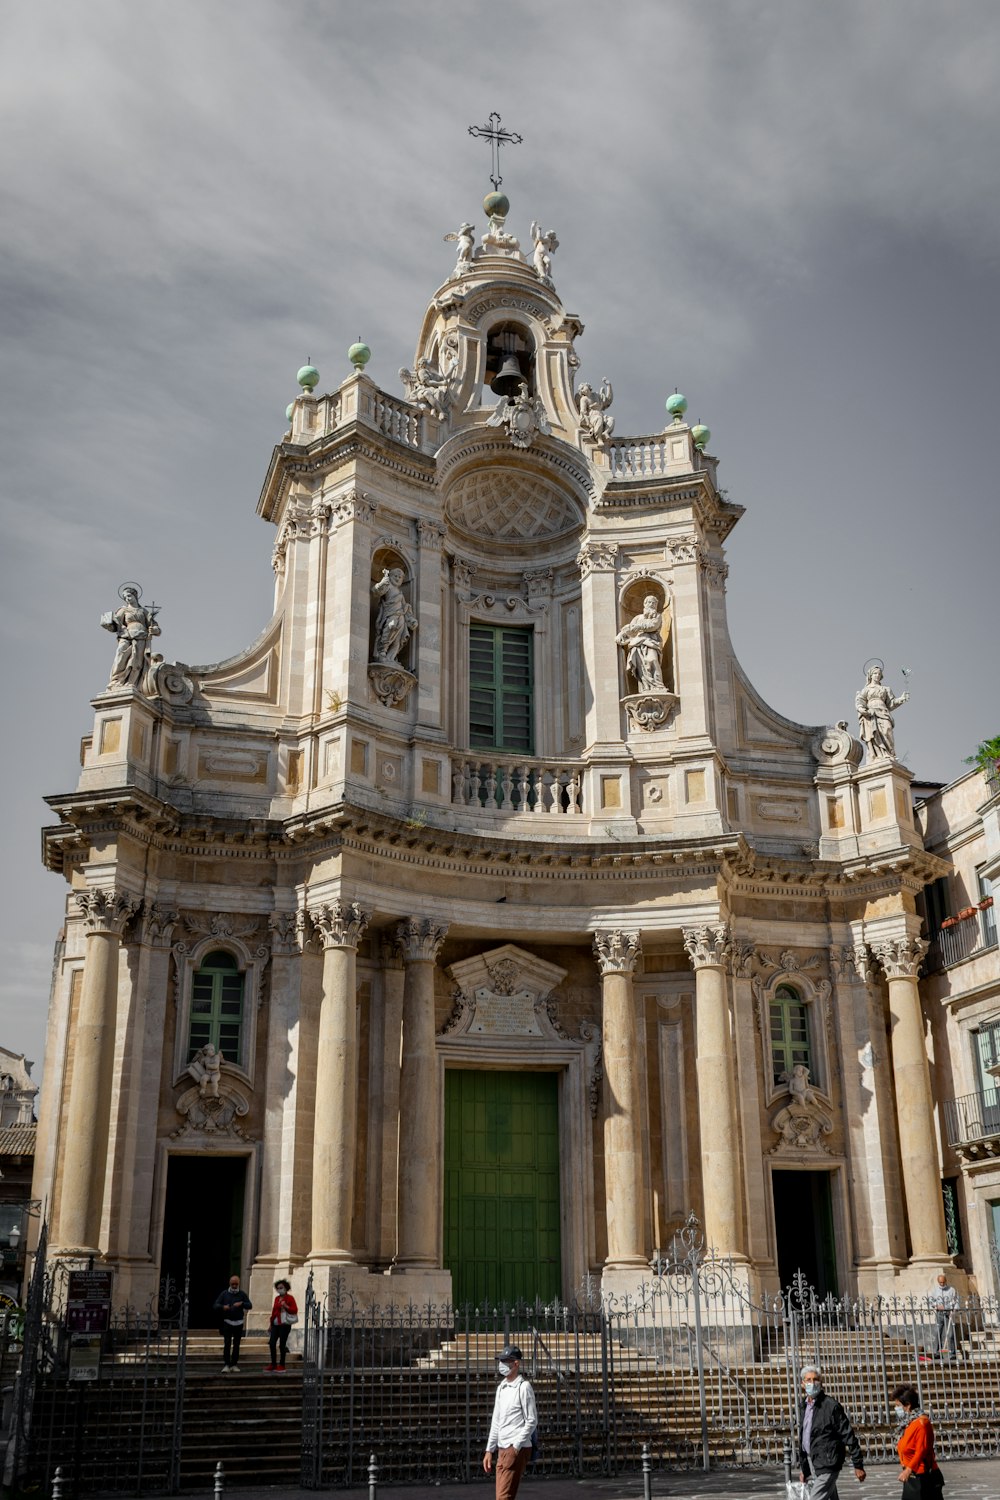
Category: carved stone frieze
<point>597,557</point>
<point>463,1008</point>
<point>801,1121</point>
<point>590,1035</point>
<point>390,683</point>
<point>222,924</point>
<point>212,1114</point>
<point>901,957</point>
<point>421,940</point>
<point>617,951</point>
<point>649,710</point>
<point>340,924</point>
<point>106,911</point>
<point>790,963</point>
<point>708,945</point>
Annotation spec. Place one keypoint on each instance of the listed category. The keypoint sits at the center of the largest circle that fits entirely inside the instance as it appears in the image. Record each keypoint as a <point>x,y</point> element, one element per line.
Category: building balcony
<point>508,786</point>
<point>972,1123</point>
<point>963,940</point>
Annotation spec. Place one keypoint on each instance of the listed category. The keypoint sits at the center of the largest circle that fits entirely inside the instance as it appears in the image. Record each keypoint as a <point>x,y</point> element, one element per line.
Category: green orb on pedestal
<point>308,377</point>
<point>497,205</point>
<point>700,435</point>
<point>289,409</point>
<point>676,405</point>
<point>359,354</point>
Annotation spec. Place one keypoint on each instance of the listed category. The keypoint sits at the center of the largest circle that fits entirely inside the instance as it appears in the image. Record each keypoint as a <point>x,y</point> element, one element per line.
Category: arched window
<point>789,1031</point>
<point>217,1007</point>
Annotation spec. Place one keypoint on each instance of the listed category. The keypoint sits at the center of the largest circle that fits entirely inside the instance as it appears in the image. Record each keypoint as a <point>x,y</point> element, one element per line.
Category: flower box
<point>986,903</point>
<point>949,922</point>
<point>967,912</point>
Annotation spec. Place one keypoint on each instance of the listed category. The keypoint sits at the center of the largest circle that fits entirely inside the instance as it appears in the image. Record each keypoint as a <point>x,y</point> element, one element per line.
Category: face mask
<point>813,1387</point>
<point>899,1412</point>
<point>503,1368</point>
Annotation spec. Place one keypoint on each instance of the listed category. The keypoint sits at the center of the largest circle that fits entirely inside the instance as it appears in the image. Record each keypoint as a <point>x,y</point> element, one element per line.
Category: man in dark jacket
<point>826,1439</point>
<point>232,1305</point>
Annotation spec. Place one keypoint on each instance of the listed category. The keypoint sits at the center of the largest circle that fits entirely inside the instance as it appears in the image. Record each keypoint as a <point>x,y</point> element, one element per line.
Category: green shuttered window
<point>789,1031</point>
<point>500,689</point>
<point>217,1007</point>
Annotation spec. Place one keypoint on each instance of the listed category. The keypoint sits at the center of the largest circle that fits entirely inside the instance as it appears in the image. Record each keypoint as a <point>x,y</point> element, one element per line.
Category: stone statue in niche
<point>545,246</point>
<point>593,407</point>
<point>133,624</point>
<point>396,621</point>
<point>523,416</point>
<point>801,1122</point>
<point>642,638</point>
<point>428,387</point>
<point>874,704</point>
<point>464,236</point>
<point>206,1070</point>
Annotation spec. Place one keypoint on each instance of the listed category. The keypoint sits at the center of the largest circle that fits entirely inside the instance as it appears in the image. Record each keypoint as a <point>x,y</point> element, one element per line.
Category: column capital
<point>708,946</point>
<point>288,932</point>
<point>741,957</point>
<point>340,924</point>
<point>616,951</point>
<point>901,957</point>
<point>106,911</point>
<point>597,557</point>
<point>157,925</point>
<point>420,941</point>
<point>852,965</point>
<point>390,948</point>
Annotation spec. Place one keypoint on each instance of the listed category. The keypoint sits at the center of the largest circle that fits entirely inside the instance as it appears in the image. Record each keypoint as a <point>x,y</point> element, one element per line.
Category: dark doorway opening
<point>205,1197</point>
<point>803,1224</point>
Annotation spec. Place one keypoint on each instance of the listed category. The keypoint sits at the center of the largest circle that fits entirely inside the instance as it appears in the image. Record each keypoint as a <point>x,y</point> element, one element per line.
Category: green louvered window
<point>789,1032</point>
<point>500,689</point>
<point>217,1007</point>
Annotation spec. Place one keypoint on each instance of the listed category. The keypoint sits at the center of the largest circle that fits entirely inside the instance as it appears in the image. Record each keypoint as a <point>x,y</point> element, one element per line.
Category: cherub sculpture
<point>206,1070</point>
<point>874,704</point>
<point>545,246</point>
<point>466,242</point>
<point>593,407</point>
<point>427,387</point>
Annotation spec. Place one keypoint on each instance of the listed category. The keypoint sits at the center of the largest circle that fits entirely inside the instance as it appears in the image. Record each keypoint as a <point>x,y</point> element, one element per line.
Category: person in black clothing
<point>826,1439</point>
<point>232,1305</point>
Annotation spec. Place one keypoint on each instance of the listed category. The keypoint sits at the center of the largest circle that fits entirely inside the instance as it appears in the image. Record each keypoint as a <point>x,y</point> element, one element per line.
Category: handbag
<point>796,1489</point>
<point>926,1486</point>
<point>288,1317</point>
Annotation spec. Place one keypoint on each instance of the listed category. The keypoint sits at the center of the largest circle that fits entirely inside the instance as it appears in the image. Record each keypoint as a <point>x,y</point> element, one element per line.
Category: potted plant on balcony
<point>986,756</point>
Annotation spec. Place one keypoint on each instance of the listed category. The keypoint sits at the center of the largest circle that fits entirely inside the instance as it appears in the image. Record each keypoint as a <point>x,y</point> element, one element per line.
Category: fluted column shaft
<point>709,949</point>
<point>418,1208</point>
<point>105,914</point>
<point>340,928</point>
<point>617,954</point>
<point>914,1101</point>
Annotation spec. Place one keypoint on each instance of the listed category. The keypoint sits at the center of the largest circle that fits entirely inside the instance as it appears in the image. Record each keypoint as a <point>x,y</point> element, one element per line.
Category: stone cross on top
<point>497,137</point>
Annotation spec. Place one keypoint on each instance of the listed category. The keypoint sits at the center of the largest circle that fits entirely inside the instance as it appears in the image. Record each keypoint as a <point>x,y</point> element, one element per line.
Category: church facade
<point>480,921</point>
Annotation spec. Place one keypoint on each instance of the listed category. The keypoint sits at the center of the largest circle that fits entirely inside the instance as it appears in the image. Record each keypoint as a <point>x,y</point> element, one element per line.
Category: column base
<point>918,1279</point>
<point>417,1284</point>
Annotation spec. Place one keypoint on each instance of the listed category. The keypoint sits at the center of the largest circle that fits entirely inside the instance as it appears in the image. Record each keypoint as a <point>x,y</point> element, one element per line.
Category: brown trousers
<point>510,1465</point>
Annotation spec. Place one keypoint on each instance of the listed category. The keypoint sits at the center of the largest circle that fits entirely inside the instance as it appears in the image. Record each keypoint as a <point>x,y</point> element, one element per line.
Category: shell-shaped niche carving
<point>507,503</point>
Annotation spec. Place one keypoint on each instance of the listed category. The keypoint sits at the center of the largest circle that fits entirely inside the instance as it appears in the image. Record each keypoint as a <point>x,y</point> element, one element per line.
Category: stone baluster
<point>105,915</point>
<point>709,949</point>
<point>900,958</point>
<point>617,953</point>
<point>419,1191</point>
<point>340,927</point>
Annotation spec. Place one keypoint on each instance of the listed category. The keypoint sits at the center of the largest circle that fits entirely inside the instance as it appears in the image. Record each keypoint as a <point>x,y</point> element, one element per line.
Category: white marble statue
<point>523,416</point>
<point>874,704</point>
<point>464,236</point>
<point>133,624</point>
<point>643,639</point>
<point>396,621</point>
<point>593,407</point>
<point>427,387</point>
<point>206,1070</point>
<point>545,245</point>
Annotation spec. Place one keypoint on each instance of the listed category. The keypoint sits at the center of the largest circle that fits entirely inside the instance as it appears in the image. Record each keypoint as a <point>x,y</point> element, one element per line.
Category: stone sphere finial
<point>308,377</point>
<point>289,409</point>
<point>676,406</point>
<point>359,354</point>
<point>497,205</point>
<point>700,435</point>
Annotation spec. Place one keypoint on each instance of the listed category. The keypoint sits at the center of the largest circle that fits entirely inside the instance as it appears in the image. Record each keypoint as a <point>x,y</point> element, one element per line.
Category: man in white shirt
<point>515,1419</point>
<point>946,1302</point>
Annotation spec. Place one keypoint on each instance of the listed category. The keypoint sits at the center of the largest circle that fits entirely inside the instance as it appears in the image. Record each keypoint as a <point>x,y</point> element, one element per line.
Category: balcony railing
<point>973,1118</point>
<point>507,786</point>
<point>991,776</point>
<point>966,939</point>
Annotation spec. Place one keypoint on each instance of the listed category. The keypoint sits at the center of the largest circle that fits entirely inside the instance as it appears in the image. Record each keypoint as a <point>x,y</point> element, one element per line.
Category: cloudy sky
<point>788,210</point>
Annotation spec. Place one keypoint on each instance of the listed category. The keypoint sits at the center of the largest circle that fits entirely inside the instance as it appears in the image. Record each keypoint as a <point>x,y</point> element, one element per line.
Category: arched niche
<point>387,559</point>
<point>505,340</point>
<point>631,605</point>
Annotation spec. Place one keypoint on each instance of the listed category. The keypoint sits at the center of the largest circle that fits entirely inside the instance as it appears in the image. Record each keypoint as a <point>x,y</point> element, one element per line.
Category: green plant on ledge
<point>987,754</point>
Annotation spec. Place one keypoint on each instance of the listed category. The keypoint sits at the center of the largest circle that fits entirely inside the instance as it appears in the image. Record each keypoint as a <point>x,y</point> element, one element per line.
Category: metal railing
<point>991,775</point>
<point>507,785</point>
<point>973,1117</point>
<point>967,938</point>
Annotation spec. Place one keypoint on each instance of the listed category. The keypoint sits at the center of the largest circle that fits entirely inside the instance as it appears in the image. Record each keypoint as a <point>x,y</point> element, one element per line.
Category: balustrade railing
<point>392,417</point>
<point>510,786</point>
<point>637,458</point>
<point>967,938</point>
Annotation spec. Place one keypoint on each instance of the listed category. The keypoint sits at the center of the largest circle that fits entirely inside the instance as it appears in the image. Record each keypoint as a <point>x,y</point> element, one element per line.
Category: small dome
<point>289,409</point>
<point>677,405</point>
<point>700,435</point>
<point>308,377</point>
<point>497,205</point>
<point>359,354</point>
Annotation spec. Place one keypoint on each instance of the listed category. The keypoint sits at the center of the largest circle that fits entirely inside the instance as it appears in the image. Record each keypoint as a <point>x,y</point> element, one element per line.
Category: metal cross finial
<point>497,137</point>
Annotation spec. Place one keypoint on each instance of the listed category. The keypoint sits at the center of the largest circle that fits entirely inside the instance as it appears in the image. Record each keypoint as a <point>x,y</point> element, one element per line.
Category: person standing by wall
<point>945,1308</point>
<point>284,1312</point>
<point>233,1306</point>
<point>515,1421</point>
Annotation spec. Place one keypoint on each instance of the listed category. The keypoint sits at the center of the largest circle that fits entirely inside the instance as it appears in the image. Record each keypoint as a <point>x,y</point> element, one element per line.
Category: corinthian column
<point>340,928</point>
<point>105,914</point>
<point>709,950</point>
<point>420,1146</point>
<point>900,958</point>
<point>617,953</point>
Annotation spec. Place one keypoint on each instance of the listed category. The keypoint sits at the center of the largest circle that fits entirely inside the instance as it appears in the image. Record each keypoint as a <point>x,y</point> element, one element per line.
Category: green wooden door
<point>501,1176</point>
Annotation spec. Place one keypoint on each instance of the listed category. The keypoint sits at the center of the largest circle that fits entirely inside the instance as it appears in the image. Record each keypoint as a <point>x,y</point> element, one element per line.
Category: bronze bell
<point>507,380</point>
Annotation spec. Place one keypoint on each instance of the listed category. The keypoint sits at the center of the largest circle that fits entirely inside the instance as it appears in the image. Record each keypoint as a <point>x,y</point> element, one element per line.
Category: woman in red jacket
<point>283,1314</point>
<point>918,1471</point>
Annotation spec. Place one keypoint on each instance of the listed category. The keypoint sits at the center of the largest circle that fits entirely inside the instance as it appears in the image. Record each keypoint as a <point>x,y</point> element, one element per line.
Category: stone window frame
<point>814,997</point>
<point>188,960</point>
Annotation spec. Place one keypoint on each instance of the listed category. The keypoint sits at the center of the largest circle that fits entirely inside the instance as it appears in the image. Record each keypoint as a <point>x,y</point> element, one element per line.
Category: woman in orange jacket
<point>918,1471</point>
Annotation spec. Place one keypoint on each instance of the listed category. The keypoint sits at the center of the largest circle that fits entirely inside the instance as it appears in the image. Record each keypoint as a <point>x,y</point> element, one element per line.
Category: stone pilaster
<point>426,660</point>
<point>419,1193</point>
<point>340,927</point>
<point>105,914</point>
<point>709,950</point>
<point>901,958</point>
<point>750,1090</point>
<point>279,1247</point>
<point>392,1033</point>
<point>617,953</point>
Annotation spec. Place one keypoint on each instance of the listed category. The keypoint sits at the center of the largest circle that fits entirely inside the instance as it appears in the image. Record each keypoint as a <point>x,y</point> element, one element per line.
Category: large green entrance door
<point>501,1186</point>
